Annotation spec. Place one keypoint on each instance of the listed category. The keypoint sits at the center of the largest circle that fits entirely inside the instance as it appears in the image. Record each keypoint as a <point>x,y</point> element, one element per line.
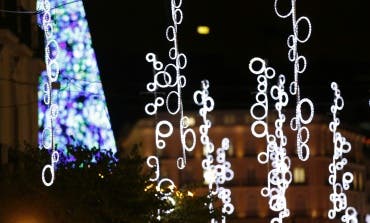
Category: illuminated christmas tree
<point>83,117</point>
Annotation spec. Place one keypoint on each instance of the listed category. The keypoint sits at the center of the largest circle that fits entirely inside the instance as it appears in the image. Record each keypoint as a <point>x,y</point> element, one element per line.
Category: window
<point>230,151</point>
<point>229,119</point>
<point>299,175</point>
<point>360,182</point>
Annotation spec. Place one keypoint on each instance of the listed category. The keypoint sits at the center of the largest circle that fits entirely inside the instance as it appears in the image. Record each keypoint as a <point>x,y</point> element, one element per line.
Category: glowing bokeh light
<point>203,30</point>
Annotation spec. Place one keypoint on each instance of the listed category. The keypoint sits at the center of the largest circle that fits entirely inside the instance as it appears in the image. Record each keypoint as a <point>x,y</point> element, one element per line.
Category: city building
<point>20,67</point>
<point>308,194</point>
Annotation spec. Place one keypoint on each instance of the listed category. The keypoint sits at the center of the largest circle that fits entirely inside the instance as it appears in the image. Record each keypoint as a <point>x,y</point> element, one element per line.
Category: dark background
<point>338,50</point>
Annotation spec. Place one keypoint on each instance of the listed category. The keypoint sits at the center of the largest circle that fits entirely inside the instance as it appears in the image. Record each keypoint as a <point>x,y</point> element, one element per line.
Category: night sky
<point>338,50</point>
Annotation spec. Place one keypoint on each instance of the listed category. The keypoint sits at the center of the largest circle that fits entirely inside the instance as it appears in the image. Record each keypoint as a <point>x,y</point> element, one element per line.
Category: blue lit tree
<point>83,117</point>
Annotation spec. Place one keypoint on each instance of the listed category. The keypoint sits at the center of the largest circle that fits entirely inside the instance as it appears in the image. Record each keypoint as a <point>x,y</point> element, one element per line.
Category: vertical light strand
<point>216,170</point>
<point>338,196</point>
<point>300,63</point>
<point>169,79</point>
<point>52,69</point>
<point>279,176</point>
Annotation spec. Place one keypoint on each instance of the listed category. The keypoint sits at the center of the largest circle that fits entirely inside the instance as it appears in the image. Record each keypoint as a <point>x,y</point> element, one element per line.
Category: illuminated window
<point>229,119</point>
<point>299,175</point>
<point>360,182</point>
<point>230,151</point>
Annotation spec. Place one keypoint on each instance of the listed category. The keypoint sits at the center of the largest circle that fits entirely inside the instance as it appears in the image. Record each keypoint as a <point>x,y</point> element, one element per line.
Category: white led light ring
<point>46,138</point>
<point>261,134</point>
<point>160,143</point>
<point>259,60</point>
<point>178,104</point>
<point>303,18</point>
<point>299,108</point>
<point>48,55</point>
<point>52,69</point>
<point>151,108</point>
<point>50,167</point>
<point>149,161</point>
<point>279,14</point>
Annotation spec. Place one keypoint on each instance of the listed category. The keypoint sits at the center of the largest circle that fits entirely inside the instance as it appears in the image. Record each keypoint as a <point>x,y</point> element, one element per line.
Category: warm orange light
<point>239,153</point>
<point>314,214</point>
<point>203,30</point>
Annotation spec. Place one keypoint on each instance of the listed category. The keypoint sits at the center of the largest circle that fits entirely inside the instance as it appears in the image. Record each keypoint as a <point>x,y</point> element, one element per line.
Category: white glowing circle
<point>51,169</point>
<point>149,162</point>
<point>160,143</point>
<point>255,60</point>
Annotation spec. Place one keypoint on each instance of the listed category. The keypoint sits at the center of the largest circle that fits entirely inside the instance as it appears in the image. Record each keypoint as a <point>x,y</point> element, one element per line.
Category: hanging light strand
<point>300,63</point>
<point>216,169</point>
<point>338,196</point>
<point>169,77</point>
<point>52,69</point>
<point>279,176</point>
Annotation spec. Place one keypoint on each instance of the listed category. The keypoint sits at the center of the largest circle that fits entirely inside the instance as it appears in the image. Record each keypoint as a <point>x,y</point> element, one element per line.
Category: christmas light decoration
<point>216,170</point>
<point>279,176</point>
<point>83,118</point>
<point>52,73</point>
<point>169,78</point>
<point>341,147</point>
<point>300,63</point>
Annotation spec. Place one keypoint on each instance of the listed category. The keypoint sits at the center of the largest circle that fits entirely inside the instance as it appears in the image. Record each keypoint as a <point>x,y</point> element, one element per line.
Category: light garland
<point>169,77</point>
<point>52,70</point>
<point>280,176</point>
<point>215,173</point>
<point>300,64</point>
<point>341,147</point>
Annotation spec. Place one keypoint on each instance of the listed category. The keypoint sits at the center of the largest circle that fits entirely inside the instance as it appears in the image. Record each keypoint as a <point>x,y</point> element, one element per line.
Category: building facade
<point>19,72</point>
<point>308,194</point>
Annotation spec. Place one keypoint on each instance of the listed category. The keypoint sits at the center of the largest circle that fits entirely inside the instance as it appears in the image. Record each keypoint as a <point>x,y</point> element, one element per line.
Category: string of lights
<point>300,63</point>
<point>52,70</point>
<point>338,196</point>
<point>279,176</point>
<point>216,170</point>
<point>170,77</point>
